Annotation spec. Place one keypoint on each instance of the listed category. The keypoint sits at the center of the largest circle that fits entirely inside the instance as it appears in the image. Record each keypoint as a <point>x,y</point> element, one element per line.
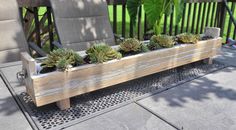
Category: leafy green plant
<point>132,46</point>
<point>100,53</point>
<point>62,59</point>
<point>188,38</point>
<point>161,41</point>
<point>155,9</point>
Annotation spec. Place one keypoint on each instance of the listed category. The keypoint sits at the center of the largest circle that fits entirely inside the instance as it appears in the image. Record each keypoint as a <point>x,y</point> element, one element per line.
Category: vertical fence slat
<point>131,26</point>
<point>203,17</point>
<point>131,30</point>
<point>234,32</point>
<point>216,24</point>
<point>193,18</point>
<point>123,19</point>
<point>165,24</point>
<point>176,29</point>
<point>176,26</point>
<point>171,23</point>
<point>189,15</point>
<point>230,21</point>
<point>139,21</point>
<point>198,17</point>
<point>50,27</point>
<point>37,27</point>
<point>222,18</point>
<point>145,25</point>
<point>208,13</point>
<point>183,18</point>
<point>115,17</point>
<point>212,14</point>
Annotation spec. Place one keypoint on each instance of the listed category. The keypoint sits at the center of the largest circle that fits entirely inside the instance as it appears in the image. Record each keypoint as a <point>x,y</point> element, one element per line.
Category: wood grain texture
<point>29,66</point>
<point>63,104</point>
<point>57,86</point>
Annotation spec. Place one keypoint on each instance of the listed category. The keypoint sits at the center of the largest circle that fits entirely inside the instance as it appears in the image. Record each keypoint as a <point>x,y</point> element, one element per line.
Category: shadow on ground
<point>200,90</point>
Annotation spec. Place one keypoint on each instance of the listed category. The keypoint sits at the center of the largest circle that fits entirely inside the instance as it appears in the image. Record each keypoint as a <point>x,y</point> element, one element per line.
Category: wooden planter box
<point>60,86</point>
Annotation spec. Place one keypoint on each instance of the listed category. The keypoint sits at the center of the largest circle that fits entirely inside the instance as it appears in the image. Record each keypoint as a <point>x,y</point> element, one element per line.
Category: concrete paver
<point>11,117</point>
<point>130,117</point>
<point>207,103</point>
<point>227,56</point>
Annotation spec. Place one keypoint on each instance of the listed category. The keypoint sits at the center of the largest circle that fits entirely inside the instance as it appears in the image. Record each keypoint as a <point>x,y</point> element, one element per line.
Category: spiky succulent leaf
<point>63,64</point>
<point>130,45</point>
<point>188,38</point>
<point>68,55</point>
<point>100,53</point>
<point>161,41</point>
<point>165,41</point>
<point>153,44</point>
<point>144,48</point>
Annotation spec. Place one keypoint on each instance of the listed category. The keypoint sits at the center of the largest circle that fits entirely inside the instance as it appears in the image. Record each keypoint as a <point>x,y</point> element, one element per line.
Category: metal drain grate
<point>49,116</point>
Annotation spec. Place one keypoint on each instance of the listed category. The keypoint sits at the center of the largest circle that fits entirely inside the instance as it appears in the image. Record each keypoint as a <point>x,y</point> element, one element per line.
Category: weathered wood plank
<point>70,92</point>
<point>63,104</point>
<point>29,66</point>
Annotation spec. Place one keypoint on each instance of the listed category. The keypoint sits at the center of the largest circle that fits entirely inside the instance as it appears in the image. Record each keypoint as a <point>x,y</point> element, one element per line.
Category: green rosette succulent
<point>100,53</point>
<point>161,41</point>
<point>188,38</point>
<point>63,64</point>
<point>130,45</point>
<point>144,48</point>
<point>154,44</point>
<point>62,59</point>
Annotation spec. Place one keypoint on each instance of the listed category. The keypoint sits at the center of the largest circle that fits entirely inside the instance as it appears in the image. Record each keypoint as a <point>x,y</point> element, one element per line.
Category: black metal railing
<point>230,11</point>
<point>197,15</point>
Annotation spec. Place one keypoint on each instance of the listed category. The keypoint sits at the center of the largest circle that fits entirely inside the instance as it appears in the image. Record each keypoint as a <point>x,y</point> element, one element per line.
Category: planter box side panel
<point>29,69</point>
<point>55,87</point>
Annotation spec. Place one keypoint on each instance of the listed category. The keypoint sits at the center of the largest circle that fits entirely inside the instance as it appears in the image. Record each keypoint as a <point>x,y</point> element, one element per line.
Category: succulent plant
<point>99,53</point>
<point>161,41</point>
<point>63,64</point>
<point>62,59</point>
<point>130,45</point>
<point>144,48</point>
<point>188,38</point>
<point>154,44</point>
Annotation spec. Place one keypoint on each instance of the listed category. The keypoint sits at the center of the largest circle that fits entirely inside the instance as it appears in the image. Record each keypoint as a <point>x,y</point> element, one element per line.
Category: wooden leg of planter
<point>209,60</point>
<point>64,104</point>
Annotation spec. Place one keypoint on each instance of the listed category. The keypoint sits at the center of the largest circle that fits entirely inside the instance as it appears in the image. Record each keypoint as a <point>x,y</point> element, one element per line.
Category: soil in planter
<point>124,54</point>
<point>47,70</point>
<point>206,38</point>
<point>87,60</point>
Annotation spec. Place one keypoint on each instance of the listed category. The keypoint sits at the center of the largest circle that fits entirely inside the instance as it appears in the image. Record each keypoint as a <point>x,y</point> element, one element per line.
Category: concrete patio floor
<point>206,103</point>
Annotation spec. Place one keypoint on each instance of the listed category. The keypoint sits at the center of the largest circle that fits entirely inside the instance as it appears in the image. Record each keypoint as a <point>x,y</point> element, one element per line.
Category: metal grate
<point>49,116</point>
